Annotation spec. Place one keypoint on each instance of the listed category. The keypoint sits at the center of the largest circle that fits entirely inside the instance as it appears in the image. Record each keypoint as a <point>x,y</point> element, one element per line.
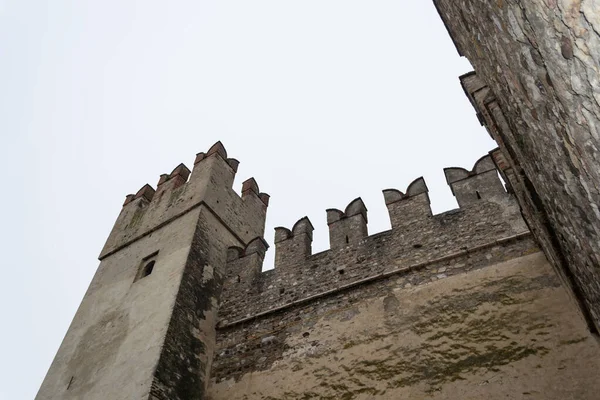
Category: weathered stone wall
<point>115,339</point>
<point>210,184</point>
<point>445,306</point>
<point>540,60</point>
<point>188,348</point>
<point>417,237</point>
<point>438,306</point>
<point>502,330</point>
<point>533,210</point>
<point>150,334</point>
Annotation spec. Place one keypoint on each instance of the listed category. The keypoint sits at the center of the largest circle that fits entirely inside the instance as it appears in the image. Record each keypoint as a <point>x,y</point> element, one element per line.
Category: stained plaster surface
<point>114,342</point>
<point>507,331</point>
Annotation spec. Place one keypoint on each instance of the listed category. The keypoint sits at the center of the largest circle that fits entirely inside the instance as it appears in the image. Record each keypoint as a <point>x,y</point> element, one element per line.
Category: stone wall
<point>533,210</point>
<point>146,326</point>
<point>114,342</point>
<point>438,306</point>
<point>502,330</point>
<point>209,184</point>
<point>539,61</point>
<point>446,306</point>
<point>416,238</point>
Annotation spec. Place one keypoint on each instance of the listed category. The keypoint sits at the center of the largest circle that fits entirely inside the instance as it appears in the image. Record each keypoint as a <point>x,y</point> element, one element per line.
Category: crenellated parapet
<point>481,183</point>
<point>209,184</point>
<point>146,193</point>
<point>295,245</point>
<point>244,265</point>
<point>171,181</point>
<point>486,216</point>
<point>406,208</point>
<point>250,190</point>
<point>349,227</point>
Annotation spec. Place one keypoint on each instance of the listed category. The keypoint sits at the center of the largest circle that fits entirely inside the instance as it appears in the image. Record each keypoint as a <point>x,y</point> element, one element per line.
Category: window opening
<point>146,266</point>
<point>148,269</point>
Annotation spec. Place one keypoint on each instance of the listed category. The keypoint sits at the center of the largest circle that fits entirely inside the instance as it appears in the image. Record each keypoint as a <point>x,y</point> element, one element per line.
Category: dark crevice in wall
<point>563,263</point>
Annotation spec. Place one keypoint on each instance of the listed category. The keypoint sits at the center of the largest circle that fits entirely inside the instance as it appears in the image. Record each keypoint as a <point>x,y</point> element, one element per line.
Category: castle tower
<point>146,326</point>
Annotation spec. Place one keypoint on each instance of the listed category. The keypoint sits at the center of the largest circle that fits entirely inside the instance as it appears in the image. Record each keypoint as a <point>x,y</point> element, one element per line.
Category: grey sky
<point>321,101</point>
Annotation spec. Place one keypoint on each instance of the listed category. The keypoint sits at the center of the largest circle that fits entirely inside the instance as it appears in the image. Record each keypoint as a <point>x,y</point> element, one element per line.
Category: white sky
<point>321,101</point>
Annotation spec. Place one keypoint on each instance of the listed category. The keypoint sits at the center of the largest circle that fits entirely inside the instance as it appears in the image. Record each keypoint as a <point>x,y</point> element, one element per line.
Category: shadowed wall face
<point>540,61</point>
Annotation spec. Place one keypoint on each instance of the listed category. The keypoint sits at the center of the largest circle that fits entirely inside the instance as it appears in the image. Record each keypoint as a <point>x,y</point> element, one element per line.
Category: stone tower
<point>146,326</point>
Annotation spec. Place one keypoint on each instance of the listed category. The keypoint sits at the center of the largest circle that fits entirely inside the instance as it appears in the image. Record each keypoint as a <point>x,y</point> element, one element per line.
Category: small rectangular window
<point>146,267</point>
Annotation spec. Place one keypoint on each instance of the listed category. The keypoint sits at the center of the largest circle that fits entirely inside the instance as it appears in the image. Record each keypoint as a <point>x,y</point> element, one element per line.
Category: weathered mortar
<point>540,61</point>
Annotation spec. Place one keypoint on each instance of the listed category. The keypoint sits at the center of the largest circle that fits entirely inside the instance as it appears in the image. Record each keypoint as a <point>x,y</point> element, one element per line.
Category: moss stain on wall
<point>434,341</point>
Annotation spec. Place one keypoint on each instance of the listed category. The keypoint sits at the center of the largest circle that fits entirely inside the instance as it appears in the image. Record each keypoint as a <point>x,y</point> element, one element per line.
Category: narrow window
<point>146,266</point>
<point>478,195</point>
<point>148,269</point>
<point>347,240</point>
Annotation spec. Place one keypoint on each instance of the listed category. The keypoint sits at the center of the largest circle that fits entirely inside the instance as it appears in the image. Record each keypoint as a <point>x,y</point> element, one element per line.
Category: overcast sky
<point>321,101</point>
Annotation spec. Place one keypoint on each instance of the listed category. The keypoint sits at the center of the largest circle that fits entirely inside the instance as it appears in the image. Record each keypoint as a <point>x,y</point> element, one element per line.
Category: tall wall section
<point>538,66</point>
<point>146,326</point>
<point>456,305</point>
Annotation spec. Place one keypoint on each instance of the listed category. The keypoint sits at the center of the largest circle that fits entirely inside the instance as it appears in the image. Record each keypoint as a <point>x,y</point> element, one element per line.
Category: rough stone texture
<point>419,238</point>
<point>153,337</point>
<point>456,305</point>
<point>504,331</point>
<point>188,347</point>
<point>209,185</point>
<point>532,208</point>
<point>540,62</point>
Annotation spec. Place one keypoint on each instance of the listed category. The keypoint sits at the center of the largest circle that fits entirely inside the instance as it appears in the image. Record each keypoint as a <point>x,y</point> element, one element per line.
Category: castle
<point>496,299</point>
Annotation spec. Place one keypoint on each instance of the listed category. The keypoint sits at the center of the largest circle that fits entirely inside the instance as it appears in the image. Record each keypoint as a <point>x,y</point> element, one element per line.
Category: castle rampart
<point>415,235</point>
<point>419,248</point>
<point>342,323</point>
